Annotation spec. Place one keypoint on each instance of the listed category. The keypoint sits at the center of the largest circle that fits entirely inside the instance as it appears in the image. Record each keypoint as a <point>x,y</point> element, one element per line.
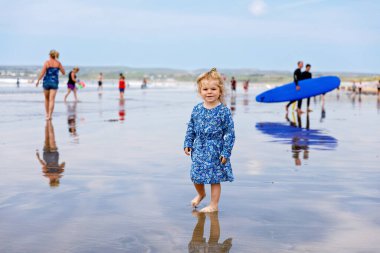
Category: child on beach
<point>210,137</point>
<point>71,84</point>
<point>121,86</point>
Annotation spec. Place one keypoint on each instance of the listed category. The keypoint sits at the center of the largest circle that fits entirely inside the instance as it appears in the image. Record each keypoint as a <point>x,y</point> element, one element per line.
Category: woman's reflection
<point>50,162</point>
<point>198,242</point>
<point>72,119</point>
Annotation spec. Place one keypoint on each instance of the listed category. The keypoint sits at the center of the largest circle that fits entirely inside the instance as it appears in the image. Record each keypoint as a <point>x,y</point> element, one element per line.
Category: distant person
<point>71,84</point>
<point>360,86</point>
<point>378,88</point>
<point>323,112</point>
<point>246,85</point>
<point>100,81</point>
<point>353,87</point>
<point>307,75</point>
<point>51,167</point>
<point>297,77</point>
<point>210,137</point>
<point>50,72</point>
<point>144,84</point>
<point>233,85</point>
<point>121,86</point>
<point>18,82</point>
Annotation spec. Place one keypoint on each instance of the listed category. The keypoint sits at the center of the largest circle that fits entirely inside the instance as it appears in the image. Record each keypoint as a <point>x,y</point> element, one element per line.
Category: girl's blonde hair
<point>76,68</point>
<point>213,74</point>
<point>54,54</point>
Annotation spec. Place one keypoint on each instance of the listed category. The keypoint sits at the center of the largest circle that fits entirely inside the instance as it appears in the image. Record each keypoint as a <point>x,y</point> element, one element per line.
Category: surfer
<point>297,77</point>
<point>307,75</point>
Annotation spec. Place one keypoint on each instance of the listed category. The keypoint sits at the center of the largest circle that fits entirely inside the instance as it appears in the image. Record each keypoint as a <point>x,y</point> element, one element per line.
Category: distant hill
<point>112,72</point>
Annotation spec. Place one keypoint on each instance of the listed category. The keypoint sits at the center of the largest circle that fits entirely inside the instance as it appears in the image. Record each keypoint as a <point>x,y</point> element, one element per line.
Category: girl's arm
<point>190,133</point>
<point>43,71</point>
<point>228,135</point>
<point>62,69</point>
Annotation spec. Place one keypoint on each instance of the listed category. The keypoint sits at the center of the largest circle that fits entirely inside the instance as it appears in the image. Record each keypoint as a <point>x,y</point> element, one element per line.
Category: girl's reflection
<point>50,162</point>
<point>198,242</point>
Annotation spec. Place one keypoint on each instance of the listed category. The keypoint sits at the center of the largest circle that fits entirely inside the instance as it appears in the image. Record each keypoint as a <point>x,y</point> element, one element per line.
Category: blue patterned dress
<point>210,134</point>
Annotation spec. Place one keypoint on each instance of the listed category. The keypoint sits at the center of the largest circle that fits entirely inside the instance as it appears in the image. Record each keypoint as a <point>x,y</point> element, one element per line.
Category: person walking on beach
<point>233,85</point>
<point>121,86</point>
<point>246,85</point>
<point>71,84</point>
<point>209,139</point>
<point>297,77</point>
<point>100,81</point>
<point>50,72</point>
<point>360,86</point>
<point>378,88</point>
<point>307,75</point>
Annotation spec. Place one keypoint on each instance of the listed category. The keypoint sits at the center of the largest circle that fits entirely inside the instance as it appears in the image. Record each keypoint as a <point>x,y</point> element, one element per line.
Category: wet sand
<point>124,185</point>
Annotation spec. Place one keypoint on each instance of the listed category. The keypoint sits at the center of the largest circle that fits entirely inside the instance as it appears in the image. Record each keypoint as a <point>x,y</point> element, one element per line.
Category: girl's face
<point>210,91</point>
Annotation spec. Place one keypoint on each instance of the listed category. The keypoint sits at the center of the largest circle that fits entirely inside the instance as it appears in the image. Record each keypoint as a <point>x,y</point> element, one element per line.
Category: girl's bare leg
<point>67,94</point>
<point>51,103</point>
<point>200,188</point>
<point>215,196</point>
<point>46,94</point>
<point>75,94</point>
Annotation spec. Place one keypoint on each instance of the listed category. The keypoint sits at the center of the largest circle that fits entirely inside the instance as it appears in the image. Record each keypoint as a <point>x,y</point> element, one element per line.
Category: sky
<point>332,35</point>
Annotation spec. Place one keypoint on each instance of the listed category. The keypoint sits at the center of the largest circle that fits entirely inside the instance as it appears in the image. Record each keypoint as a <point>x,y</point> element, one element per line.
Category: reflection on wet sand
<point>122,110</point>
<point>199,244</point>
<point>300,139</point>
<point>72,119</point>
<point>50,162</point>
<point>233,103</point>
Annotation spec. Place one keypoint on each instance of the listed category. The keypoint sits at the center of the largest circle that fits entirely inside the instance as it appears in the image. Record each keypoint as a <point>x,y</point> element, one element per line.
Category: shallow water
<point>125,185</point>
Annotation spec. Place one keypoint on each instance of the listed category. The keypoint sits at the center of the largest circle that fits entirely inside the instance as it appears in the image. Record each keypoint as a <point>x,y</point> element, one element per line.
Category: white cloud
<point>258,7</point>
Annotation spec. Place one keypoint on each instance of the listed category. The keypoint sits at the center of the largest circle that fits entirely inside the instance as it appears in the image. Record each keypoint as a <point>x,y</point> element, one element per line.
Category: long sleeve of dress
<point>228,135</point>
<point>190,133</point>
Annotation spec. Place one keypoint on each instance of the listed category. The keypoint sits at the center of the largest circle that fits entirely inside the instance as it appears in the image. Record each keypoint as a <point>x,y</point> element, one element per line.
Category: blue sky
<point>332,35</point>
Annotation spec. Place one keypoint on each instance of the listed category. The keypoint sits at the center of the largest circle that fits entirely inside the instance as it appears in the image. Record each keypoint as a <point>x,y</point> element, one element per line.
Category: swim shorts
<point>50,86</point>
<point>71,86</point>
<point>121,89</point>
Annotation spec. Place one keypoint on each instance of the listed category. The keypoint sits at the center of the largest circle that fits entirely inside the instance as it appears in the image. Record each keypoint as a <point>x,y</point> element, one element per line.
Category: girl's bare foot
<point>209,209</point>
<point>195,202</point>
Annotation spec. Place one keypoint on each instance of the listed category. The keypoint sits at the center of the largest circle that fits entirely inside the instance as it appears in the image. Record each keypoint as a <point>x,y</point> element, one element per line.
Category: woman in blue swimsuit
<point>50,73</point>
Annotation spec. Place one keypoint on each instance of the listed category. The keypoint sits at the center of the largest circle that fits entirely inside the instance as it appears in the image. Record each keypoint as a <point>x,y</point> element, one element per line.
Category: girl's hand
<point>187,151</point>
<point>38,81</point>
<point>223,160</point>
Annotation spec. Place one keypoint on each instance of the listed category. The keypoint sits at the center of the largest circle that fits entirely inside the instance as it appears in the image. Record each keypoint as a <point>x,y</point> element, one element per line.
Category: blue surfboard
<point>309,88</point>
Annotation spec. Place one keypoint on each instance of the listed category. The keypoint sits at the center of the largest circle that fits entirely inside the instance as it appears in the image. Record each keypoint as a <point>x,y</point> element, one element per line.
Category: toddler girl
<point>209,139</point>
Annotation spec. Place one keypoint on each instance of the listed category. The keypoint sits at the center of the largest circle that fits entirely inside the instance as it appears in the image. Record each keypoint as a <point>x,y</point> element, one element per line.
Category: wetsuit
<point>306,75</point>
<point>297,76</point>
